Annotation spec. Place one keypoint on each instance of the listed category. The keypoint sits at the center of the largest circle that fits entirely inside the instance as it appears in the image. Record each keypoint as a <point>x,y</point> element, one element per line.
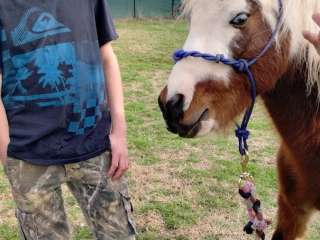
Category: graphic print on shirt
<point>59,74</point>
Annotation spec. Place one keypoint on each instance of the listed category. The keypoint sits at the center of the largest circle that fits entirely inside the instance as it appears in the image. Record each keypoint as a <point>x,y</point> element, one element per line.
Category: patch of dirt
<point>152,221</point>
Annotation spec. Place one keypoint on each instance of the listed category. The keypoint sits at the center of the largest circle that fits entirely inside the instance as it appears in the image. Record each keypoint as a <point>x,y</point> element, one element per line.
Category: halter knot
<point>219,58</point>
<point>242,133</point>
<point>241,65</point>
<point>179,54</point>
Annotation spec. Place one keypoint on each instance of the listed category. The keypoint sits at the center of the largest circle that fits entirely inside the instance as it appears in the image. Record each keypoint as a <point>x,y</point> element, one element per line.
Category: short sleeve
<point>105,27</point>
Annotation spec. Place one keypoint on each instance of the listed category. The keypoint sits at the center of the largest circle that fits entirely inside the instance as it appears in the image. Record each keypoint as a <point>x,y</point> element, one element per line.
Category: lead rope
<point>257,222</point>
<point>247,189</point>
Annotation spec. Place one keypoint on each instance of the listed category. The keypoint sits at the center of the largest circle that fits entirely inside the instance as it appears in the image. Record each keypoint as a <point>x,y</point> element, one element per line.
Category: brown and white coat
<point>288,80</point>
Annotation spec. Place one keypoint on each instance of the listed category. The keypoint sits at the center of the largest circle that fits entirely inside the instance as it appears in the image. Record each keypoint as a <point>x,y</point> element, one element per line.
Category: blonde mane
<point>186,7</point>
<point>297,18</point>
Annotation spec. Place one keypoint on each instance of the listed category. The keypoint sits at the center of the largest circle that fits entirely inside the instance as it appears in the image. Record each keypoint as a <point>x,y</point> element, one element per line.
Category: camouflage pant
<point>40,210</point>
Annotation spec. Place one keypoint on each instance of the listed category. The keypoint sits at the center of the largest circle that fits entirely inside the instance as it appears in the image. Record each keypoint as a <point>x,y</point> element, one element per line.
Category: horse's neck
<point>295,113</point>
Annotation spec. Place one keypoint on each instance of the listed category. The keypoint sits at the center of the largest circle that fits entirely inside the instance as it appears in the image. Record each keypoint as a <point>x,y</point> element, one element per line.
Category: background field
<point>181,189</point>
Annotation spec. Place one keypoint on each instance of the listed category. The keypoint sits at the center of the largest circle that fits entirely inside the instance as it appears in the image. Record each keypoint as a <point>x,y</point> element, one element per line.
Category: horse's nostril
<point>176,100</point>
<point>174,108</point>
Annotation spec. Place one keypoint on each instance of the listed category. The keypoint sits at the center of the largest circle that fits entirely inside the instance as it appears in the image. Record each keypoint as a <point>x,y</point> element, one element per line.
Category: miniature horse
<point>203,96</point>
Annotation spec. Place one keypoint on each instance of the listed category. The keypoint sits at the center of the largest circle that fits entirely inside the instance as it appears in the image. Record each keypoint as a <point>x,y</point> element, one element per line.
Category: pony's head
<point>202,96</point>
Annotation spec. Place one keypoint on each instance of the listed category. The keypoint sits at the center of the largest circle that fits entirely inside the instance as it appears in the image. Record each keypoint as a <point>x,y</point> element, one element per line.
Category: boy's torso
<point>53,82</point>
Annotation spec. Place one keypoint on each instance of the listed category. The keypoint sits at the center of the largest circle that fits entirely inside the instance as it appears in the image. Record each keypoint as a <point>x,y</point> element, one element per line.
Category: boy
<point>314,38</point>
<point>54,120</point>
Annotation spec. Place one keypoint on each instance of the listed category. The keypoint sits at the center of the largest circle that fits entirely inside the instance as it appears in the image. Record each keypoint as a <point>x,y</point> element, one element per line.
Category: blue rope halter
<point>241,66</point>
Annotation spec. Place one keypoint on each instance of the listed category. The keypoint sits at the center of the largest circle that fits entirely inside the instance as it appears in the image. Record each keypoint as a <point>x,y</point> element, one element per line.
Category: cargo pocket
<point>129,211</point>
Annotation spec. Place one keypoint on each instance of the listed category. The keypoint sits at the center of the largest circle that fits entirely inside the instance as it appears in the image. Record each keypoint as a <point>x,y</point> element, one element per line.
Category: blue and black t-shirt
<point>53,85</point>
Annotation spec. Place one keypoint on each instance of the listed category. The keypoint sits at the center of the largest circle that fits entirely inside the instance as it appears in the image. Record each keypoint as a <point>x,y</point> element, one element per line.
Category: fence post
<point>134,9</point>
<point>172,8</point>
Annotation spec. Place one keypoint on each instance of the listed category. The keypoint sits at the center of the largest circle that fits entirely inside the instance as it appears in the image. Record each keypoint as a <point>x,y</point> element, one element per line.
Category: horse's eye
<point>240,20</point>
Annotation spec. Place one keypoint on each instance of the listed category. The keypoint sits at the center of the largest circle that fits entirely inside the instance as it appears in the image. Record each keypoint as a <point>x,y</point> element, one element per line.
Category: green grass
<point>81,233</point>
<point>181,189</point>
<point>7,232</point>
<point>175,214</point>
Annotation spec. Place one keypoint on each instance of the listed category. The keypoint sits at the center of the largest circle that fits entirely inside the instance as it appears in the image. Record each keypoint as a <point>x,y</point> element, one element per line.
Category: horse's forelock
<point>297,18</point>
<point>186,7</point>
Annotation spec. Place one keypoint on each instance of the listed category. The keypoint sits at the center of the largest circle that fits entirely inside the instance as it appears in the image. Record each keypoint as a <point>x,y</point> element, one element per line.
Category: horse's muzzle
<point>172,112</point>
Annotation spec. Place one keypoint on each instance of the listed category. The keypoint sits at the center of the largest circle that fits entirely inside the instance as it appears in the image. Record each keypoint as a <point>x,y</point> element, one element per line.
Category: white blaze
<point>210,32</point>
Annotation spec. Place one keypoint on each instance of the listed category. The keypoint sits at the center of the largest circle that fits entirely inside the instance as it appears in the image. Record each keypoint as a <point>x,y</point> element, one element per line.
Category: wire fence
<point>144,8</point>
